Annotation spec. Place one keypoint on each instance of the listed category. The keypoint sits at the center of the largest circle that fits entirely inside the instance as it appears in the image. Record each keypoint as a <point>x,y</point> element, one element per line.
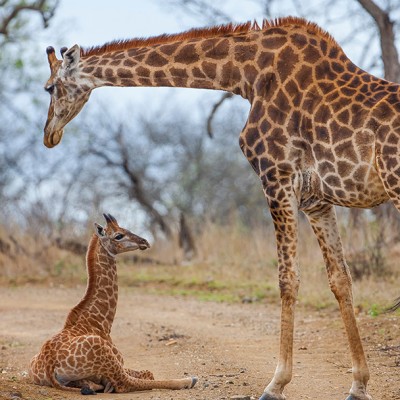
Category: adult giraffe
<point>321,132</point>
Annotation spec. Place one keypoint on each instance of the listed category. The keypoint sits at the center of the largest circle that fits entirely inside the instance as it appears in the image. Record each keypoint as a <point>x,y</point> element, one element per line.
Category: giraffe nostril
<point>144,244</point>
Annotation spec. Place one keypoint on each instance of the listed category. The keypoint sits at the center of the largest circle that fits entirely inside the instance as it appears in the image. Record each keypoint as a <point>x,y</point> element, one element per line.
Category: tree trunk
<point>390,56</point>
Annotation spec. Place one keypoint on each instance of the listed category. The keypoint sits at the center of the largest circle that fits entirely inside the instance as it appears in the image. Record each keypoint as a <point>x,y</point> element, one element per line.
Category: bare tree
<point>18,26</point>
<point>186,239</point>
<point>132,179</point>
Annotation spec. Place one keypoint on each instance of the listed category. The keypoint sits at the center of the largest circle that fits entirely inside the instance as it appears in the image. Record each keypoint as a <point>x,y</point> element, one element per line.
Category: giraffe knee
<point>145,374</point>
<point>289,288</point>
<point>340,282</point>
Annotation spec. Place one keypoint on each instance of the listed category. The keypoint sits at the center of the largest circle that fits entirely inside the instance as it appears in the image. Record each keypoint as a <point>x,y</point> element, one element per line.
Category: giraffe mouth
<point>52,139</point>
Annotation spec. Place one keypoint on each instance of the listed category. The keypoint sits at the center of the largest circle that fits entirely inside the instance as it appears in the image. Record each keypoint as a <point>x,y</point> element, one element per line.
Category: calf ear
<point>71,57</point>
<point>99,230</point>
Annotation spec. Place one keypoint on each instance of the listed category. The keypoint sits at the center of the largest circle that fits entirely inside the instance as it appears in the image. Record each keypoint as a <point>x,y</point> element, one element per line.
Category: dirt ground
<point>231,348</point>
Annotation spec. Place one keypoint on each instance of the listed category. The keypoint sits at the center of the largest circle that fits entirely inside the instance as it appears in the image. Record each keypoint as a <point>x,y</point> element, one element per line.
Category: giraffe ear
<point>71,57</point>
<point>99,230</point>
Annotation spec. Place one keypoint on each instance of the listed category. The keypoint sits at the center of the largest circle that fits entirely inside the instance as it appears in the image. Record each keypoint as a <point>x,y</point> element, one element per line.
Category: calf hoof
<point>194,381</point>
<point>87,391</point>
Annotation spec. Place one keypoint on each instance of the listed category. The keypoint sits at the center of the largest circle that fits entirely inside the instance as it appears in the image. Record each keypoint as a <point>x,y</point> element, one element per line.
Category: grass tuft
<point>233,264</point>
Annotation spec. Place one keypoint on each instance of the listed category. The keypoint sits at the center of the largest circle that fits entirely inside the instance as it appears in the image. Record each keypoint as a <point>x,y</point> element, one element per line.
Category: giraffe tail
<point>395,306</point>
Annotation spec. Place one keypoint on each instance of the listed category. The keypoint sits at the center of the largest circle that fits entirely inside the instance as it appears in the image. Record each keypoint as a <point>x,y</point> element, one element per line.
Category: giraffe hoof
<point>352,397</point>
<point>267,396</point>
<point>109,388</point>
<point>87,391</point>
<point>194,381</point>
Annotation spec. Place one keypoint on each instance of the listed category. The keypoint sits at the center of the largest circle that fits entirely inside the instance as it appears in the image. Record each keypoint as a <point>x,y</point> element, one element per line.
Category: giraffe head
<point>118,240</point>
<point>69,91</point>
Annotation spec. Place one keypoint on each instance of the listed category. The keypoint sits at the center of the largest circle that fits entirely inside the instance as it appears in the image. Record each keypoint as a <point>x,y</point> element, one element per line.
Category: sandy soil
<point>231,348</point>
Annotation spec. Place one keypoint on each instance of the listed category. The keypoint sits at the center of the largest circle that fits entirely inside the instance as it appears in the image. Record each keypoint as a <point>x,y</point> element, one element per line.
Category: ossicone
<point>63,50</point>
<point>110,219</point>
<point>51,56</point>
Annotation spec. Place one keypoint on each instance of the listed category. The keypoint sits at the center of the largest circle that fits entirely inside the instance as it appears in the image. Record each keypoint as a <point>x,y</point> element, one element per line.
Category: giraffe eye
<point>119,236</point>
<point>49,89</point>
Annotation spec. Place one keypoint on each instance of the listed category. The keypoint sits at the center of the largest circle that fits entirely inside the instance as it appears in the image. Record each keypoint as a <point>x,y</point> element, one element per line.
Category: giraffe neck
<point>97,308</point>
<point>221,63</point>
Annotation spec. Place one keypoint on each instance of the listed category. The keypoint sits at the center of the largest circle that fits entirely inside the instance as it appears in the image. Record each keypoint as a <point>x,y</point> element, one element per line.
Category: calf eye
<point>119,236</point>
<point>49,89</point>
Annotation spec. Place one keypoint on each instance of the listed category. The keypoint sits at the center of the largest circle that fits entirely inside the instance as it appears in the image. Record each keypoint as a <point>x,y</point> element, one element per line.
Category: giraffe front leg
<point>87,386</point>
<point>325,227</point>
<point>284,214</point>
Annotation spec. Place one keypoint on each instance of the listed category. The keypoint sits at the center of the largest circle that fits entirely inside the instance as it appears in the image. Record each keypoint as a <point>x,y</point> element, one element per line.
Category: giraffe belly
<point>361,190</point>
<point>66,377</point>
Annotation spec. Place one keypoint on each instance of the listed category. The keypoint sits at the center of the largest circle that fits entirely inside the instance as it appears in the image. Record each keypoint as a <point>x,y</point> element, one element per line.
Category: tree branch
<point>40,6</point>
<point>137,187</point>
<point>214,110</point>
<point>134,185</point>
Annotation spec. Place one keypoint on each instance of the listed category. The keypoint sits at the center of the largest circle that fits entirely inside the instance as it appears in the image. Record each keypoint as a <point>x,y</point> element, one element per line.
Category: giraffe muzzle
<point>144,244</point>
<point>52,139</point>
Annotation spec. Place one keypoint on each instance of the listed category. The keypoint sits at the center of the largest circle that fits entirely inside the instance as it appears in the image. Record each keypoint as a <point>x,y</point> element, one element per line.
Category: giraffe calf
<point>82,355</point>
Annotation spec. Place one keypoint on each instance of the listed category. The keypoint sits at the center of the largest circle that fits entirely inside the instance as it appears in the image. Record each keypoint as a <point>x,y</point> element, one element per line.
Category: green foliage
<point>375,310</point>
<point>194,281</point>
<point>70,271</point>
<point>19,64</point>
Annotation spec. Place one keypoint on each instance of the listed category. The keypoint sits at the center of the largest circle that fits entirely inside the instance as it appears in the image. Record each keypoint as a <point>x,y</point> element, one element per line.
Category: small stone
<point>240,397</point>
<point>16,395</point>
<point>247,300</point>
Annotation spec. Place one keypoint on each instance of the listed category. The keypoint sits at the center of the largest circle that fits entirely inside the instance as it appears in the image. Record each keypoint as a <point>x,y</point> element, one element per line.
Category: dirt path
<point>231,348</point>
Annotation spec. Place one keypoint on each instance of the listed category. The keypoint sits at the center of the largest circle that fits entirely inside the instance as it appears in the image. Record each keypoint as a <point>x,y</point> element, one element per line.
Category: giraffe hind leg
<point>388,162</point>
<point>110,368</point>
<point>324,224</point>
<point>144,374</point>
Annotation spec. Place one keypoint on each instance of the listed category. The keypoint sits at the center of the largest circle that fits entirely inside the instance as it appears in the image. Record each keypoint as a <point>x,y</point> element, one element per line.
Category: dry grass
<point>233,263</point>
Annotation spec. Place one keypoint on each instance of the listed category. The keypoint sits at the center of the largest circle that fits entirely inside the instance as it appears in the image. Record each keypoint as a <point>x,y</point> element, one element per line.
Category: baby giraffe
<point>82,356</point>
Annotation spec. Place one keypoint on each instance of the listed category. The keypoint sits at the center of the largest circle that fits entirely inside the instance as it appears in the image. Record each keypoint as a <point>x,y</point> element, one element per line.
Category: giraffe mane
<point>219,30</point>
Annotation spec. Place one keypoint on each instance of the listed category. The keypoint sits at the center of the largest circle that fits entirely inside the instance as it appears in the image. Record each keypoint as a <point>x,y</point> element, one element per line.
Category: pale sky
<point>94,22</point>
